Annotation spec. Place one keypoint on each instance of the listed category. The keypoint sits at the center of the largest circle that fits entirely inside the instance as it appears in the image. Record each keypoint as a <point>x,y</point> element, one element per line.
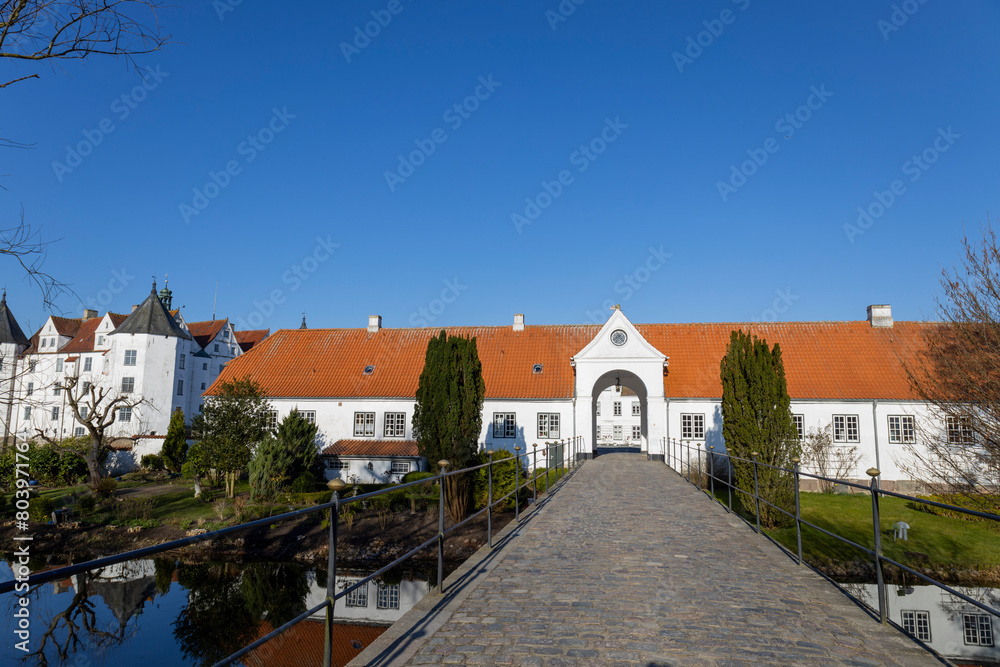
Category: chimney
<point>374,323</point>
<point>880,316</point>
<point>89,314</point>
<point>519,322</point>
<point>134,306</point>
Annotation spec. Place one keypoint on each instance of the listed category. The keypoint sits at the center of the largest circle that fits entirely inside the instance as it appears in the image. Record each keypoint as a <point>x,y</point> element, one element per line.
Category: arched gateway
<point>620,355</point>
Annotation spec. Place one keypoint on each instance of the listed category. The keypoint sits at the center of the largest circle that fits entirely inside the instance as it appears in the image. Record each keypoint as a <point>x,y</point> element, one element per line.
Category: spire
<point>303,322</point>
<point>10,331</point>
<point>166,296</point>
<point>152,317</point>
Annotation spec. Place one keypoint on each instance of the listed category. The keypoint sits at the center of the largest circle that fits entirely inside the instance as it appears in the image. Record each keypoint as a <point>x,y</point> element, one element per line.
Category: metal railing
<point>555,450</point>
<point>678,455</point>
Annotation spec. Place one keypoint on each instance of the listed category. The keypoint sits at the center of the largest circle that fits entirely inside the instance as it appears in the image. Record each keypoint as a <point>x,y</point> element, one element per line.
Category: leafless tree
<point>958,373</point>
<point>828,459</point>
<point>25,245</point>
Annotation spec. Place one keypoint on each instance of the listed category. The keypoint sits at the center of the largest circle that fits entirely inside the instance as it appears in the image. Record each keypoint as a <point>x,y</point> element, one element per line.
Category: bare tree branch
<point>26,247</point>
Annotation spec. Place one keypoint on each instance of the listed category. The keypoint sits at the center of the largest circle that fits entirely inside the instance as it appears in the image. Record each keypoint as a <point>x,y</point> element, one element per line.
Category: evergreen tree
<point>175,444</point>
<point>756,417</point>
<point>278,461</point>
<point>298,437</point>
<point>447,417</point>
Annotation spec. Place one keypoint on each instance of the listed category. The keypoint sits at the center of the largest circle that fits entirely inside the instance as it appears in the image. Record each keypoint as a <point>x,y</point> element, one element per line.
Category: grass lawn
<point>932,540</point>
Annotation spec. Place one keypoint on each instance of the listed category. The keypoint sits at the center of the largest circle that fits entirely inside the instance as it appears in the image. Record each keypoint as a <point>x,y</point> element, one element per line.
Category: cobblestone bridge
<point>627,564</point>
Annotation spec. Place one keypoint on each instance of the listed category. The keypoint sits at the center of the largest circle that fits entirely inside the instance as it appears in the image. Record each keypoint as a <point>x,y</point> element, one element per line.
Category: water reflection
<point>159,612</point>
<point>951,626</point>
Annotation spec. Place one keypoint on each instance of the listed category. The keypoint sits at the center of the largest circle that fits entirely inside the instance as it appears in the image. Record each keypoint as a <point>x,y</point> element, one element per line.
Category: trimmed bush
<point>504,479</point>
<point>152,462</point>
<point>304,483</point>
<point>40,509</point>
<point>415,476</point>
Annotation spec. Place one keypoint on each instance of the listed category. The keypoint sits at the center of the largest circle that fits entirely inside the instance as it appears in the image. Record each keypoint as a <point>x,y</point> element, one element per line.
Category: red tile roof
<point>204,332</point>
<point>303,644</point>
<point>823,360</point>
<point>84,340</point>
<point>372,448</point>
<point>247,339</point>
<point>66,326</point>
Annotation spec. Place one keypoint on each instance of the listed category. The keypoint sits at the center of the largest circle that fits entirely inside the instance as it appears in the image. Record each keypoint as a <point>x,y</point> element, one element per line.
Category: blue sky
<point>643,109</point>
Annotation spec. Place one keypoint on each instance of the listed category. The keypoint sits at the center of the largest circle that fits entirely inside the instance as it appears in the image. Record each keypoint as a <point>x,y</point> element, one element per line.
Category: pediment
<point>619,339</point>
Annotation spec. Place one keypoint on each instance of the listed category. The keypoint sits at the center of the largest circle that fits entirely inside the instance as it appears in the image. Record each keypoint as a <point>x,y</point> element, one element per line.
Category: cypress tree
<point>175,444</point>
<point>447,417</point>
<point>756,417</point>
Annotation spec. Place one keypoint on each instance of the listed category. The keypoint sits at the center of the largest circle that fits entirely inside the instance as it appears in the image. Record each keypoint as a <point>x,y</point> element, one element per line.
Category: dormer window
<point>368,370</point>
<point>45,342</point>
<point>100,340</point>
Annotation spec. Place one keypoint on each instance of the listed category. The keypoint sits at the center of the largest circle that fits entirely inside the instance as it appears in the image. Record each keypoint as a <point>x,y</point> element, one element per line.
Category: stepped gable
<point>151,317</point>
<point>10,330</point>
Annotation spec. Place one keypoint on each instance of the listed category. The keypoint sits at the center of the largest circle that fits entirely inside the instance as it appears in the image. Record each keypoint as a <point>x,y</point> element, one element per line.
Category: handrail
<point>332,507</point>
<point>674,457</point>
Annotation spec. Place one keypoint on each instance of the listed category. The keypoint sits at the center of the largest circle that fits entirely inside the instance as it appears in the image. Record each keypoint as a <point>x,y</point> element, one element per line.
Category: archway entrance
<point>620,413</point>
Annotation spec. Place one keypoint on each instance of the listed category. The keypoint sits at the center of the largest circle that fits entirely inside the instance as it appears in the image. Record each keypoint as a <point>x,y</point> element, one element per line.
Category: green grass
<point>933,541</point>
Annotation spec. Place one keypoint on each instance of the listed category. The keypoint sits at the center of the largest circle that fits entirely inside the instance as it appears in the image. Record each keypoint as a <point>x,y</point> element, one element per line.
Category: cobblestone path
<point>626,564</point>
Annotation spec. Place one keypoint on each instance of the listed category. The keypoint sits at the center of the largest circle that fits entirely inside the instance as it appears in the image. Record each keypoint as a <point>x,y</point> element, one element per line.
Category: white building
<point>152,354</point>
<point>545,383</point>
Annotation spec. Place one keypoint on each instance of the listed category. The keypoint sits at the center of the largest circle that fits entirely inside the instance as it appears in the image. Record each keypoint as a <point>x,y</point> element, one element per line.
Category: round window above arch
<point>619,337</point>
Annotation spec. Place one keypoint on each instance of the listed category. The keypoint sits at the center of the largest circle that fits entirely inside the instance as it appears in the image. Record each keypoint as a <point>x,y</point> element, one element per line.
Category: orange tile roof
<point>823,360</point>
<point>247,339</point>
<point>66,326</point>
<point>303,644</point>
<point>84,340</point>
<point>204,332</point>
<point>372,448</point>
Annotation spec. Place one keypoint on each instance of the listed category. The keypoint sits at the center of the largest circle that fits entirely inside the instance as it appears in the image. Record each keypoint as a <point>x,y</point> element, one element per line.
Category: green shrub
<point>152,462</point>
<point>504,479</point>
<point>105,488</point>
<point>985,503</point>
<point>40,509</point>
<point>415,476</point>
<point>304,483</point>
<point>86,504</point>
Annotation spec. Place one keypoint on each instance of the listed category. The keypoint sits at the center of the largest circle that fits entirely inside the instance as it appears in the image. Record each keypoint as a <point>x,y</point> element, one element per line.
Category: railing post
<point>711,470</point>
<point>798,508</point>
<point>547,445</point>
<point>333,520</point>
<point>756,490</point>
<point>534,471</point>
<point>730,479</point>
<point>698,451</point>
<point>561,461</point>
<point>687,446</point>
<point>517,482</point>
<point>876,522</point>
<point>443,465</point>
<point>489,499</point>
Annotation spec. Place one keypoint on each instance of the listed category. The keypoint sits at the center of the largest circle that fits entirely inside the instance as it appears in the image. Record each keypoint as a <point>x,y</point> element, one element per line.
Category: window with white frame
<point>692,427</point>
<point>504,425</point>
<point>918,624</point>
<point>180,387</point>
<point>308,415</point>
<point>216,347</point>
<point>358,597</point>
<point>960,430</point>
<point>130,357</point>
<point>59,365</point>
<point>548,425</point>
<point>616,408</point>
<point>800,425</point>
<point>30,389</point>
<point>57,389</point>
<point>388,596</point>
<point>45,342</point>
<point>618,432</point>
<point>400,467</point>
<point>128,385</point>
<point>78,431</point>
<point>181,362</point>
<point>100,340</point>
<point>31,365</point>
<point>272,419</point>
<point>84,411</point>
<point>55,413</point>
<point>636,432</point>
<point>636,409</point>
<point>125,414</point>
<point>845,428</point>
<point>978,629</point>
<point>88,364</point>
<point>364,424</point>
<point>394,425</point>
<point>86,386</point>
<point>27,412</point>
<point>901,430</point>
<point>204,366</point>
<point>337,464</point>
